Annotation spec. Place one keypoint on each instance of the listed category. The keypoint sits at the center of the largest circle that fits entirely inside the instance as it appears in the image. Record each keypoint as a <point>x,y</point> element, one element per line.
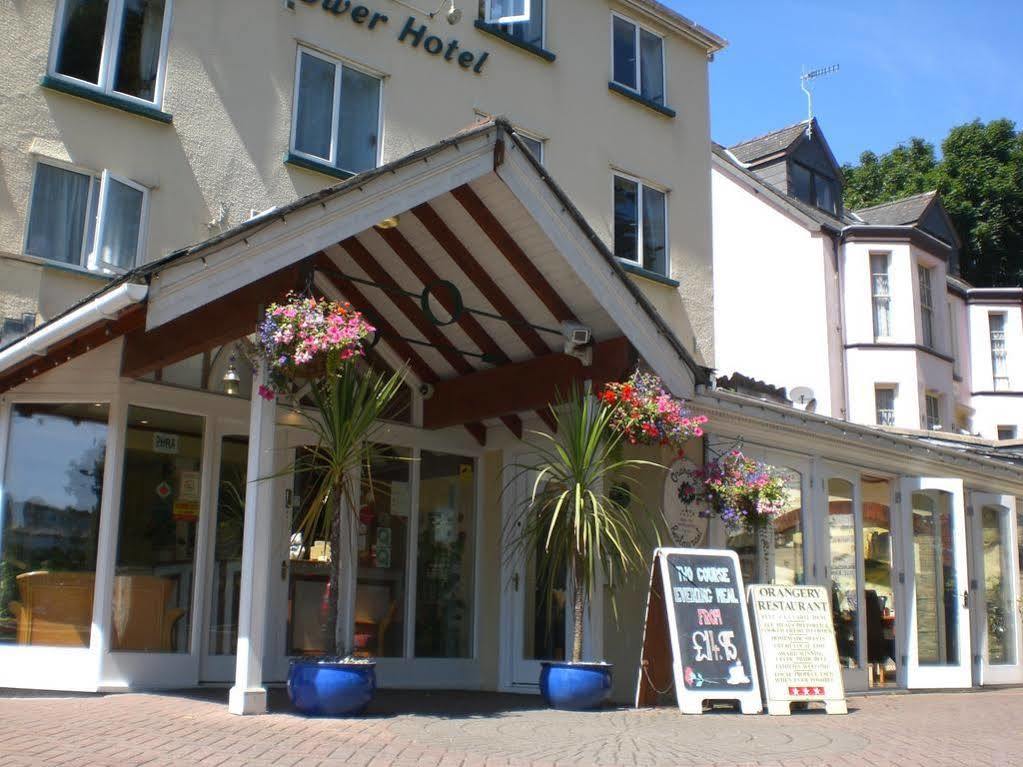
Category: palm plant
<point>349,403</point>
<point>579,518</point>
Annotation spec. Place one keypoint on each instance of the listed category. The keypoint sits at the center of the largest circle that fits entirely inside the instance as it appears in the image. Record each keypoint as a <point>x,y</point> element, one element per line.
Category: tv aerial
<point>805,80</point>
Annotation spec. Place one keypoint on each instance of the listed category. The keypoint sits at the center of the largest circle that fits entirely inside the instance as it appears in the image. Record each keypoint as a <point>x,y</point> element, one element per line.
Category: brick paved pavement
<point>194,728</point>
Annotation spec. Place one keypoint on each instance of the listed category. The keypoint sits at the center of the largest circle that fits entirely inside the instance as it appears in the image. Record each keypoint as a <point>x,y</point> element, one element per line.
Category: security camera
<point>425,390</point>
<point>575,334</point>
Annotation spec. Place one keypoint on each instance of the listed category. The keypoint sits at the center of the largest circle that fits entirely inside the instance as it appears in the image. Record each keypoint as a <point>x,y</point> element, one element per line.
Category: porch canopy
<point>475,268</point>
<point>471,262</point>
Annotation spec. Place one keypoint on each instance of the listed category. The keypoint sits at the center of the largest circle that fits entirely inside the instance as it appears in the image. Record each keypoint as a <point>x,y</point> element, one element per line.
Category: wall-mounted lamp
<point>391,222</point>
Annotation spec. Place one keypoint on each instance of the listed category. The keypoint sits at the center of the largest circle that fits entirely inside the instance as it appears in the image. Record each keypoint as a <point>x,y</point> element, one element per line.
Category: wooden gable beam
<point>423,272</point>
<point>530,385</point>
<point>221,321</point>
<point>510,249</point>
<point>80,343</point>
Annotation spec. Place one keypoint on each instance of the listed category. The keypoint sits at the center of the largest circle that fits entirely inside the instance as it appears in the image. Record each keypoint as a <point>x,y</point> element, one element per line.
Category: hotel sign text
<point>412,33</point>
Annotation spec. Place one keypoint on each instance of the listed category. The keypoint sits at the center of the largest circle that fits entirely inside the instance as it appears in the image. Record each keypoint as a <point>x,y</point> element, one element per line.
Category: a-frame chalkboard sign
<point>697,632</point>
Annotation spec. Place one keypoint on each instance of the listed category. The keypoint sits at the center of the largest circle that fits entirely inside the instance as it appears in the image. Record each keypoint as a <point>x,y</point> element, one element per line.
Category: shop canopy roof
<point>467,257</point>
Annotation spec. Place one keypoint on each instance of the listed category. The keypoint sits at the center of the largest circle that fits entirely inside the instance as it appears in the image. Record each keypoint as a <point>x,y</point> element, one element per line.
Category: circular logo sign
<point>688,529</point>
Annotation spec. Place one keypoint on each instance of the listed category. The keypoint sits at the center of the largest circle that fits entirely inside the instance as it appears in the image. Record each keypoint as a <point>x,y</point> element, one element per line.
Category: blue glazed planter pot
<point>575,686</point>
<point>320,688</point>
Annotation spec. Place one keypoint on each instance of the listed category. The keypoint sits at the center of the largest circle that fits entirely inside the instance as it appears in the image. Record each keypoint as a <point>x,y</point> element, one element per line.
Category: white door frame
<point>215,668</point>
<point>937,676</point>
<point>516,673</point>
<point>854,679</point>
<point>988,673</point>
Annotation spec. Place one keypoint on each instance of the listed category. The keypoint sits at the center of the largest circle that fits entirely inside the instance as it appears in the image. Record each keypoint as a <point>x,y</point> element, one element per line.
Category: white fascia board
<point>183,287</point>
<point>603,281</point>
<point>797,431</point>
<point>105,306</point>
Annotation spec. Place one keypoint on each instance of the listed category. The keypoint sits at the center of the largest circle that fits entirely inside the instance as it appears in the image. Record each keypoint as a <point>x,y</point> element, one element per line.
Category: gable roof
<point>749,152</point>
<point>908,210</point>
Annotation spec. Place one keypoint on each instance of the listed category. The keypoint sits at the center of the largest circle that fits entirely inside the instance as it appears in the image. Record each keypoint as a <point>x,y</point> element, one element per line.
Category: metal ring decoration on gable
<point>456,296</point>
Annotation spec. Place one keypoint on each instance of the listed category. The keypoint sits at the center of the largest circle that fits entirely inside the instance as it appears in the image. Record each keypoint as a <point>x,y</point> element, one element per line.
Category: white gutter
<point>105,306</point>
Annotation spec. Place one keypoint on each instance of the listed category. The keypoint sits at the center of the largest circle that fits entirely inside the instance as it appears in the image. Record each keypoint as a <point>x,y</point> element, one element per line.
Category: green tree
<point>980,178</point>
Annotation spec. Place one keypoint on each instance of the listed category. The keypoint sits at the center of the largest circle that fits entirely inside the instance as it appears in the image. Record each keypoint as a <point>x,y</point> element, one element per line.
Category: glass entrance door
<point>841,553</point>
<point>936,583</point>
<point>535,628</point>
<point>995,588</point>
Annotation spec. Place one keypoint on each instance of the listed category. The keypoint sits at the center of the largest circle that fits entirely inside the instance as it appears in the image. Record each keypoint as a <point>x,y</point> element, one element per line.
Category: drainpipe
<point>105,306</point>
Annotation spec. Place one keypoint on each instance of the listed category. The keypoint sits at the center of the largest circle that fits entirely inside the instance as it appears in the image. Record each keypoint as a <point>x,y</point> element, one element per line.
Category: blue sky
<point>907,68</point>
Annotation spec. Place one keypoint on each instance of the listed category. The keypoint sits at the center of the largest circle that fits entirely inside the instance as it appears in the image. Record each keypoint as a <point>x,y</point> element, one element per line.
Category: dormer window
<point>813,187</point>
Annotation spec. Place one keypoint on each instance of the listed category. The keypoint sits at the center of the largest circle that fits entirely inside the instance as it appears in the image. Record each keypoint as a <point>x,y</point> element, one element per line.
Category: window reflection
<point>152,596</point>
<point>937,590</point>
<point>227,546</point>
<point>842,546</point>
<point>785,561</point>
<point>879,595</point>
<point>444,587</point>
<point>384,512</point>
<point>50,512</point>
<point>1000,613</point>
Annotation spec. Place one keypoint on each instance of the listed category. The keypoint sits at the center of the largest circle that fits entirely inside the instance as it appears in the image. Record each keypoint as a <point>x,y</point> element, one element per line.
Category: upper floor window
<point>84,219</point>
<point>880,294</point>
<point>336,119</point>
<point>118,47</point>
<point>638,59</point>
<point>999,360</point>
<point>1006,432</point>
<point>813,188</point>
<point>884,405</point>
<point>926,306</point>
<point>640,224</point>
<point>521,20</point>
<point>932,413</point>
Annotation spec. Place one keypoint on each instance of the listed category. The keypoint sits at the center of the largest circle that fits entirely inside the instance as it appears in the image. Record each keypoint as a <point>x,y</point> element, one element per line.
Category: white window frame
<point>932,421</point>
<point>880,419</point>
<point>638,261</point>
<point>88,260</point>
<point>490,18</point>
<point>335,135</point>
<point>926,288</point>
<point>877,297</point>
<point>638,90</point>
<point>542,142</point>
<point>999,373</point>
<point>111,49</point>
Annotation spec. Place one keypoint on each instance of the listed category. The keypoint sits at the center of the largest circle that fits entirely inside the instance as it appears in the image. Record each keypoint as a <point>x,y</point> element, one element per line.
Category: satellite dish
<point>802,397</point>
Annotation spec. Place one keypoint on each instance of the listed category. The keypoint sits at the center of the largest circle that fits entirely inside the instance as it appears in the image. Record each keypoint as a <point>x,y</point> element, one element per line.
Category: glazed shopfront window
<point>49,523</point>
<point>785,560</point>
<point>227,546</point>
<point>152,597</point>
<point>446,556</point>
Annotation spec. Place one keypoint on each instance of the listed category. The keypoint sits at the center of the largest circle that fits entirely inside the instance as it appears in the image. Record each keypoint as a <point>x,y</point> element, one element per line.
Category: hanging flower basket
<point>647,414</point>
<point>745,493</point>
<point>302,337</point>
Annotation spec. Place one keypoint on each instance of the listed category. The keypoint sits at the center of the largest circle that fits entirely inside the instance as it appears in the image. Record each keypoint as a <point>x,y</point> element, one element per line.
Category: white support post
<point>248,696</point>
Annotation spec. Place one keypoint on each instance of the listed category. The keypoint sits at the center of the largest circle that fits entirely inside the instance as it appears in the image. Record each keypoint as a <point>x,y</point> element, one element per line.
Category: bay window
<point>638,59</point>
<point>880,294</point>
<point>641,224</point>
<point>884,405</point>
<point>932,414</point>
<point>85,219</point>
<point>116,47</point>
<point>336,118</point>
<point>926,306</point>
<point>999,359</point>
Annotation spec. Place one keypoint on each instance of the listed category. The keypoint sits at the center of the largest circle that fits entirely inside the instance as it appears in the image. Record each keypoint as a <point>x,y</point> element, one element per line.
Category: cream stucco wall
<point>229,87</point>
<point>1005,407</point>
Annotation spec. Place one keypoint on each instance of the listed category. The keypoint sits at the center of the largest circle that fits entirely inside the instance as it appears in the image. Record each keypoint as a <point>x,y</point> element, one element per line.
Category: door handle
<point>284,569</point>
<point>966,598</point>
<point>515,581</point>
